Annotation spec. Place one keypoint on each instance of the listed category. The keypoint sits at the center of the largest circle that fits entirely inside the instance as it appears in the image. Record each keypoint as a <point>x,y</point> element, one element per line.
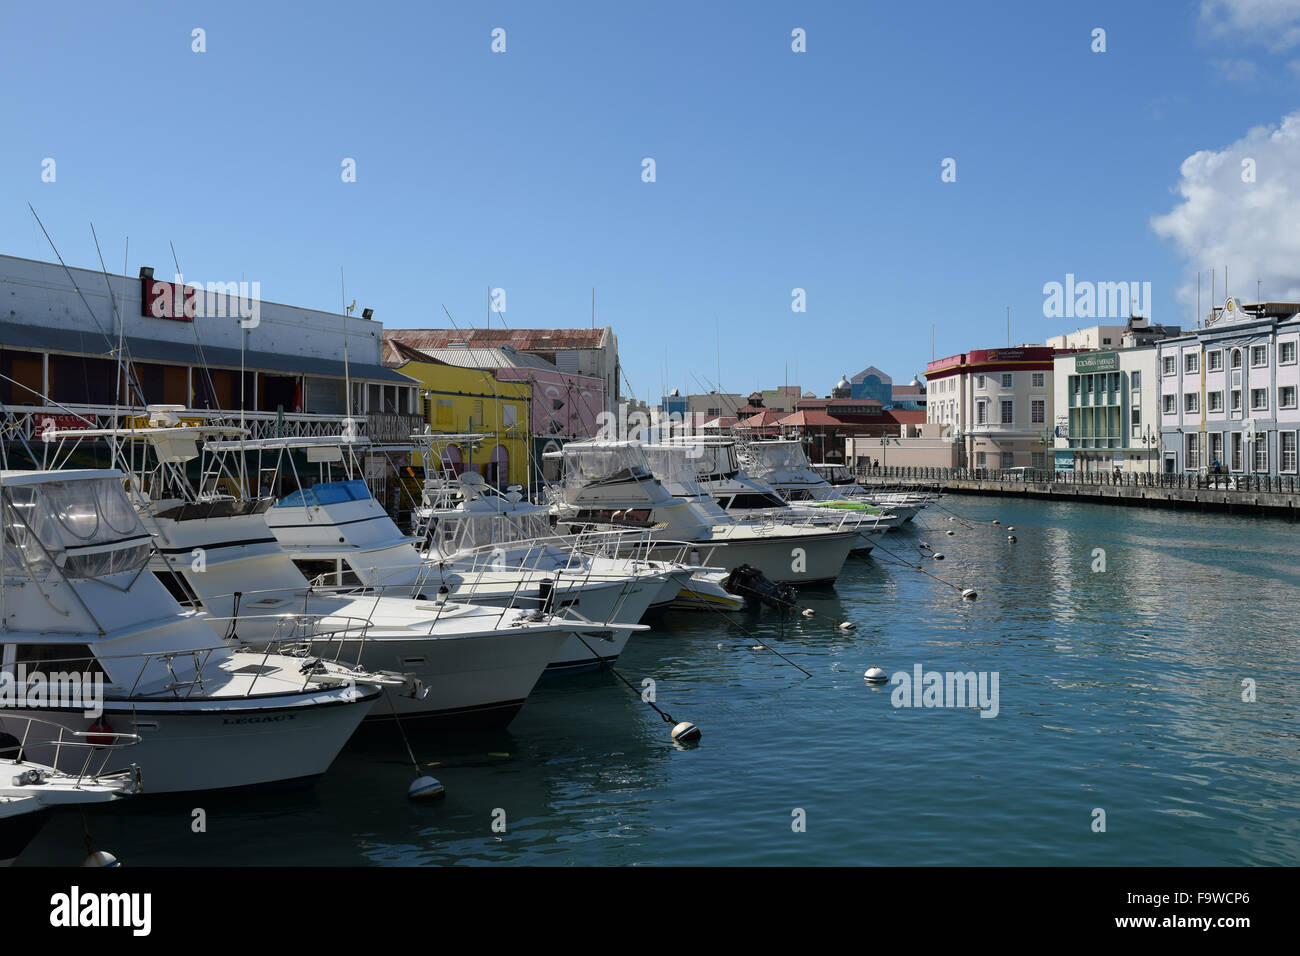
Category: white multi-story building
<point>1228,392</point>
<point>999,403</point>
<point>1107,411</point>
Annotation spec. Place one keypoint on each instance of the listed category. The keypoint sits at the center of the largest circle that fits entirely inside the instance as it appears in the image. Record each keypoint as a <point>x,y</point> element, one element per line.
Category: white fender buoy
<point>808,612</point>
<point>1011,527</point>
<point>950,531</point>
<point>686,731</point>
<point>875,675</point>
<point>847,625</point>
<point>995,521</point>
<point>100,858</point>
<point>1011,537</point>
<point>938,556</point>
<point>757,647</point>
<point>969,594</point>
<point>426,788</point>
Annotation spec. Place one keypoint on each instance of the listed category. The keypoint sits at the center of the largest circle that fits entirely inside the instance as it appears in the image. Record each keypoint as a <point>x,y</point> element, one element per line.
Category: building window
<point>981,413</point>
<point>1038,460</point>
<point>1074,384</point>
<point>1038,411</point>
<point>979,459</point>
<point>1214,361</point>
<point>1008,460</point>
<point>1236,358</point>
<point>1136,417</point>
<point>1171,406</point>
<point>1236,399</point>
<point>1193,449</point>
<point>1191,363</point>
<point>1170,365</point>
<point>1135,380</point>
<point>1258,399</point>
<point>1007,413</point>
<point>1216,450</point>
<point>1105,341</point>
<point>1286,396</point>
<point>1191,403</point>
<point>1236,451</point>
<point>1288,451</point>
<point>979,381</point>
<point>1006,380</point>
<point>1037,379</point>
<point>1214,401</point>
<point>1286,354</point>
<point>1258,356</point>
<point>1261,451</point>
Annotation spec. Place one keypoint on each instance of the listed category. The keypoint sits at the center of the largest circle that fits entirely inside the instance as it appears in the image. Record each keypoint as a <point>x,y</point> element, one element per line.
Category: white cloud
<point>1273,23</point>
<point>1248,227</point>
<point>1237,71</point>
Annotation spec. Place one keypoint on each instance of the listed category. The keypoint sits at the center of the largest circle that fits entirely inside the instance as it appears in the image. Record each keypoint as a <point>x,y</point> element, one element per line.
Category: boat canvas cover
<point>85,527</point>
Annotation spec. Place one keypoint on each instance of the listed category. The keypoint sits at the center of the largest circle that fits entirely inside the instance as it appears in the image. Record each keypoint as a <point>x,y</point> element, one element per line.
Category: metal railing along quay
<point>1225,491</point>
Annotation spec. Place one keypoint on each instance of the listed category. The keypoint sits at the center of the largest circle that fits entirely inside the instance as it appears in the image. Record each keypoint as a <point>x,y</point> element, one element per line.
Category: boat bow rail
<point>98,746</point>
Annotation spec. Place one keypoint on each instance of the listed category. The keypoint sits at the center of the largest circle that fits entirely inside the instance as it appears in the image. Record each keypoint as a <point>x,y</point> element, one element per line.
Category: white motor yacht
<point>609,484</point>
<point>92,641</point>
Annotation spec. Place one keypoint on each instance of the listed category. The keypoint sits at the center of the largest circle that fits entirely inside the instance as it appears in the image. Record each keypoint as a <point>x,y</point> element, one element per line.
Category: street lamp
<point>884,451</point>
<point>1149,440</point>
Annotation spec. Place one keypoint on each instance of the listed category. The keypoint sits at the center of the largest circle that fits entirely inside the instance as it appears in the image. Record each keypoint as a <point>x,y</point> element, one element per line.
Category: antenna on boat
<point>349,426</point>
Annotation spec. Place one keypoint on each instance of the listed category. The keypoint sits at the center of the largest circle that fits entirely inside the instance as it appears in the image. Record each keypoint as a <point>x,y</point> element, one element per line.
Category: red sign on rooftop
<point>166,300</point>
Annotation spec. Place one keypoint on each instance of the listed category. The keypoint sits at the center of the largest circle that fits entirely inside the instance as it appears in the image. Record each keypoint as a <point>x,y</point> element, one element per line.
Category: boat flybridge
<point>782,463</point>
<point>30,791</point>
<point>705,469</point>
<point>94,643</point>
<point>475,665</point>
<point>337,530</point>
<point>462,521</point>
<point>610,484</point>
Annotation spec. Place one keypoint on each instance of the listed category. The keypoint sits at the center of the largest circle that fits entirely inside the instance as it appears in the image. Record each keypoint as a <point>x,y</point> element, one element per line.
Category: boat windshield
<point>325,493</point>
<point>674,465</point>
<point>778,456</point>
<point>84,527</point>
<point>713,459</point>
<point>587,463</point>
<point>463,531</point>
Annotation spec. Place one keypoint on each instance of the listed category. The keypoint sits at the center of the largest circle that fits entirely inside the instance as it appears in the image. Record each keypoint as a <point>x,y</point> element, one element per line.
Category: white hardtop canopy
<point>41,477</point>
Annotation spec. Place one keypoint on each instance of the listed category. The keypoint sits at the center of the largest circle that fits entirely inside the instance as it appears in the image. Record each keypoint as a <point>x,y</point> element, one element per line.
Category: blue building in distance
<point>871,382</point>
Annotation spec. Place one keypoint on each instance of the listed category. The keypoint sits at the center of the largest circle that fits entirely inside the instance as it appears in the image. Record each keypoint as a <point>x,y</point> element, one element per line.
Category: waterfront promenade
<point>1239,494</point>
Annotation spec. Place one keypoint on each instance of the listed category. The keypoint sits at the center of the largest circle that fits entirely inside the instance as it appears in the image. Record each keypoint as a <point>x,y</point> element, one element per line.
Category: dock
<point>1274,496</point>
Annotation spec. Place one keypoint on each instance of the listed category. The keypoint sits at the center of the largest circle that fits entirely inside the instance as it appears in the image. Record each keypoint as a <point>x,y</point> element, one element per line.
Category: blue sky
<point>774,170</point>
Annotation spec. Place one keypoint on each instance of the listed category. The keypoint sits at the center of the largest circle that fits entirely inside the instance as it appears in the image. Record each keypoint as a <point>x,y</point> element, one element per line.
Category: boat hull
<point>475,681</point>
<point>188,746</point>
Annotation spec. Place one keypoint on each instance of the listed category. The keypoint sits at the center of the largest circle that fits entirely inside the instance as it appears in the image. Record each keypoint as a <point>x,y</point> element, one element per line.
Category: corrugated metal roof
<point>485,357</point>
<point>532,340</point>
<point>22,336</point>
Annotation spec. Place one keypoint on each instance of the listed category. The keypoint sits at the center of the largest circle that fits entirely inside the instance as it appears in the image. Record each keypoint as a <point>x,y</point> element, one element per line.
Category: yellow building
<point>472,401</point>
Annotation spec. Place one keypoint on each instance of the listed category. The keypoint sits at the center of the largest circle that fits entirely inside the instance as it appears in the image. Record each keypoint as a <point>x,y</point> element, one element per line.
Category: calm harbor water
<point>1119,690</point>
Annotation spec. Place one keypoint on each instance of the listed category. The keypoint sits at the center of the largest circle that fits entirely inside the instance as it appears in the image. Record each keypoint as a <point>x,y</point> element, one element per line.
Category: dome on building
<point>842,388</point>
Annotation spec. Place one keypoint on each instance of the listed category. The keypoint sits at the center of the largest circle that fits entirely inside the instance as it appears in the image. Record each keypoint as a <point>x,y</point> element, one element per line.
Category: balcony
<point>381,428</point>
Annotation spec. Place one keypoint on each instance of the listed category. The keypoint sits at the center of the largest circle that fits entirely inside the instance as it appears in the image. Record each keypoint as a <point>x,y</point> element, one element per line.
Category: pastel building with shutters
<point>1229,390</point>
